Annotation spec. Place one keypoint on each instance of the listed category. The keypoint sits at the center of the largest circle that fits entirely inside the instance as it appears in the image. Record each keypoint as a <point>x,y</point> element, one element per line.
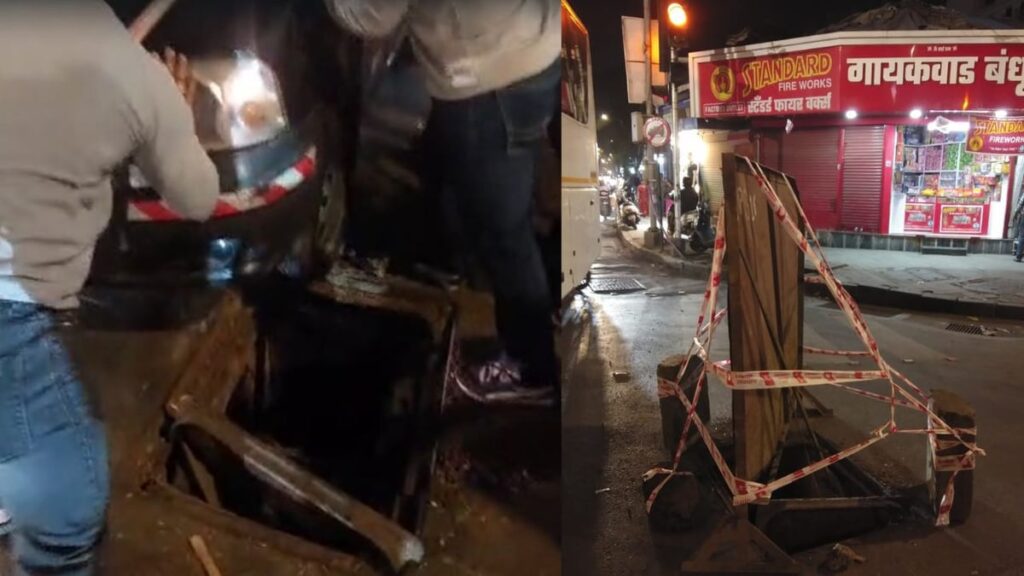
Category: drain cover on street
<point>609,285</point>
<point>964,328</point>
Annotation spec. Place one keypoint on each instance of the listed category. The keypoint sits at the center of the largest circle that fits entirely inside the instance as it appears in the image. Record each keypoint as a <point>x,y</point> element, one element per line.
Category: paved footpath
<point>975,279</point>
<point>977,284</point>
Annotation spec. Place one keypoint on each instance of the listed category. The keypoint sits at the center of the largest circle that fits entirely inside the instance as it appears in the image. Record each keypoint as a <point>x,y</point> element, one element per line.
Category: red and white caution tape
<point>234,203</point>
<point>903,392</point>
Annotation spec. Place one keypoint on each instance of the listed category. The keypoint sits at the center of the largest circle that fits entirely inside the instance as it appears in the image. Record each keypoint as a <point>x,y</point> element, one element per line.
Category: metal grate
<point>965,328</point>
<point>610,285</point>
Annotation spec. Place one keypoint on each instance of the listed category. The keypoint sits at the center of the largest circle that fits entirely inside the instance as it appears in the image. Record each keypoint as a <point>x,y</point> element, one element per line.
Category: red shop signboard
<point>996,135</point>
<point>870,74</point>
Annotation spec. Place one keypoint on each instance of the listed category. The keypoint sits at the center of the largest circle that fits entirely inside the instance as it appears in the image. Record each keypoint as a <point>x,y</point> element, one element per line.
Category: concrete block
<point>674,508</point>
<point>673,416</point>
<point>956,412</point>
<point>652,238</point>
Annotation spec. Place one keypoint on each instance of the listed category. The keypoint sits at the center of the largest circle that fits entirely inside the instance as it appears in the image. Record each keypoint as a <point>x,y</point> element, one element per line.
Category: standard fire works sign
<point>996,135</point>
<point>930,71</point>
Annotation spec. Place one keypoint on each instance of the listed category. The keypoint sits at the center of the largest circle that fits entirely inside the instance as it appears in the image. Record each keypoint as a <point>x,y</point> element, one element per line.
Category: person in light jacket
<point>78,96</point>
<point>492,68</point>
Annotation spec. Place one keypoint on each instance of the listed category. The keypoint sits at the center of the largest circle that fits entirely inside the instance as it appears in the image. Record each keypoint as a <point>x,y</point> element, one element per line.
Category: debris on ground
<point>602,490</point>
<point>908,360</point>
<point>620,376</point>
<point>346,277</point>
<point>203,553</point>
<point>951,358</point>
<point>993,331</point>
<point>839,559</point>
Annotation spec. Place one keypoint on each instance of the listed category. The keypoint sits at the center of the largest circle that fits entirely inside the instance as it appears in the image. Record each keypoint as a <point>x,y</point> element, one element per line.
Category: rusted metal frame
<point>419,472</point>
<point>276,471</point>
<point>738,548</point>
<point>829,472</point>
<point>217,330</point>
<point>226,355</point>
<point>844,503</point>
<point>818,405</point>
<point>200,477</point>
<point>775,507</point>
<point>773,468</point>
<point>847,470</point>
<point>228,522</point>
<point>402,296</point>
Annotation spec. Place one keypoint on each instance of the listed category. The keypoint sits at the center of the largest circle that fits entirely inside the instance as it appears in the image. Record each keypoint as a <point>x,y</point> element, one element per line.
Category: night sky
<point>711,23</point>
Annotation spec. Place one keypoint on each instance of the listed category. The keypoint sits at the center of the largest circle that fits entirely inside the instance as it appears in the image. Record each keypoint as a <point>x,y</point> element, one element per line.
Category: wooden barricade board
<point>765,299</point>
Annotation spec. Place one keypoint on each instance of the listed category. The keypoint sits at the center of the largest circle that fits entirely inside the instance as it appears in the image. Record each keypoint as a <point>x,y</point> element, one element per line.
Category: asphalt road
<point>612,430</point>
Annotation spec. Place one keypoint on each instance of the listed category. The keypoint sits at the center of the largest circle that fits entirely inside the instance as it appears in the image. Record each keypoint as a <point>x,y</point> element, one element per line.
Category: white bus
<point>581,226</point>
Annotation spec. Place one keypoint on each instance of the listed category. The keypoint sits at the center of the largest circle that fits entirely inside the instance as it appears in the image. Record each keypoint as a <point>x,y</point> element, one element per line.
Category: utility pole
<point>651,237</point>
<point>674,29</point>
<point>675,148</point>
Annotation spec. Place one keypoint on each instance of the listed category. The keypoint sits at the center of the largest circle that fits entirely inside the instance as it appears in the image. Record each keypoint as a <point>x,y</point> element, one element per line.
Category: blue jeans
<point>1020,239</point>
<point>53,453</point>
<point>485,149</point>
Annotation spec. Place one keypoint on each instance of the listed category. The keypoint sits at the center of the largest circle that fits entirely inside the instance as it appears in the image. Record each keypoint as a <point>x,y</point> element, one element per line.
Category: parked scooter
<point>605,194</point>
<point>629,214</point>
<point>697,227</point>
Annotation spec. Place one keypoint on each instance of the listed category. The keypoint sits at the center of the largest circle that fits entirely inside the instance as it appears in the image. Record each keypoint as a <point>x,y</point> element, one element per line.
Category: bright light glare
<point>1000,113</point>
<point>915,113</point>
<point>948,126</point>
<point>692,147</point>
<point>604,116</point>
<point>851,114</point>
<point>676,15</point>
<point>247,84</point>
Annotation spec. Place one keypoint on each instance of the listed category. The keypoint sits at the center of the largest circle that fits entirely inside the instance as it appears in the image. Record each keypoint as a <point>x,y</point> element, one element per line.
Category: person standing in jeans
<point>492,69</point>
<point>78,96</point>
<point>1018,221</point>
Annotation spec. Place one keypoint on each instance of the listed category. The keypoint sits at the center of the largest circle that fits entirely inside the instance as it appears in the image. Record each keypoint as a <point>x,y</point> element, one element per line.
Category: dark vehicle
<point>259,114</point>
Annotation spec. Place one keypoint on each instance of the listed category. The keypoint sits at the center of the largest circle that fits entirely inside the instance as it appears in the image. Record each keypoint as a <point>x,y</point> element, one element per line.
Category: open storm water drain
<point>614,285</point>
<point>332,421</point>
<point>965,328</point>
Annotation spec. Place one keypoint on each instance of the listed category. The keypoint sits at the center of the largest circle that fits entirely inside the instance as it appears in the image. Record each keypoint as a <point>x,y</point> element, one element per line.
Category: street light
<point>604,117</point>
<point>676,15</point>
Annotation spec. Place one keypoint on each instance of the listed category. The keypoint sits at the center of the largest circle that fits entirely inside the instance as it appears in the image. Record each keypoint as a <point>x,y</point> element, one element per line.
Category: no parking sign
<point>656,131</point>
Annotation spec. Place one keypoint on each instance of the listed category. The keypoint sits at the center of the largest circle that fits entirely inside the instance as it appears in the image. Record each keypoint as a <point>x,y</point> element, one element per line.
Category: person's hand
<point>178,66</point>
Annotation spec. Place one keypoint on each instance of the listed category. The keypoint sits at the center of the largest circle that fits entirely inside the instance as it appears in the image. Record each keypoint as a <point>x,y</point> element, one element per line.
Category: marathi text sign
<point>800,82</point>
<point>868,78</point>
<point>996,135</point>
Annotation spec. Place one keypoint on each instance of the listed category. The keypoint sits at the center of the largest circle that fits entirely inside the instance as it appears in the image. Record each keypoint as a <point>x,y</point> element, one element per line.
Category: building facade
<point>898,133</point>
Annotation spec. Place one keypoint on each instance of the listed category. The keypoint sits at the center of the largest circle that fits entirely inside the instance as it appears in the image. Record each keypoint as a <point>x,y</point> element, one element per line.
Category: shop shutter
<point>812,157</point>
<point>716,143</point>
<point>768,151</point>
<point>862,178</point>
